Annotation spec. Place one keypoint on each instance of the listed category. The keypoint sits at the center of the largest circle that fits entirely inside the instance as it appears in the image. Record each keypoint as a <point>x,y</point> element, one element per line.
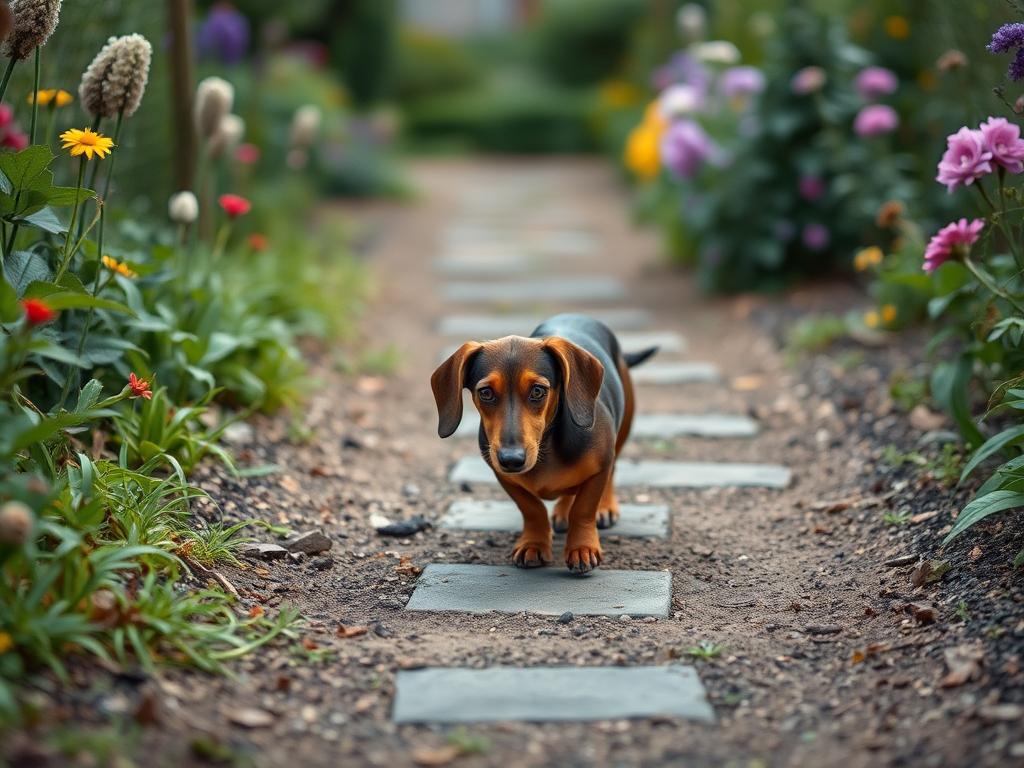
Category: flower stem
<point>7,77</point>
<point>985,279</point>
<point>71,225</point>
<point>35,101</point>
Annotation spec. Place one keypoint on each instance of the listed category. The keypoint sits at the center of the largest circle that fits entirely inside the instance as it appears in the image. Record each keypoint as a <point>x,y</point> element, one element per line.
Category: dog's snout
<point>512,459</point>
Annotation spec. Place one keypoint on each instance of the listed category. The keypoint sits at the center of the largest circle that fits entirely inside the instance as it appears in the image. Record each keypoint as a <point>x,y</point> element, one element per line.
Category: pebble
<point>265,551</point>
<point>309,543</point>
<point>566,618</point>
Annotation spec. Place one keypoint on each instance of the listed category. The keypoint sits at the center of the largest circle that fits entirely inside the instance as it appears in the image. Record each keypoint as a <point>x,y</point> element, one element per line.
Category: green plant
<point>705,650</point>
<point>895,518</point>
<point>815,333</point>
<point>962,611</point>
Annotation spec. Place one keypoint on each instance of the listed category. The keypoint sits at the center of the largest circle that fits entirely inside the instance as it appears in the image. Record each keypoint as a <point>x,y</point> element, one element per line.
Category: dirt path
<point>788,591</point>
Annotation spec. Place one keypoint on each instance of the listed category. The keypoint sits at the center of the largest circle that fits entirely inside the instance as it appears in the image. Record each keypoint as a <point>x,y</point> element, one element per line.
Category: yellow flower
<point>57,97</point>
<point>86,142</point>
<point>871,319</point>
<point>888,313</point>
<point>118,266</point>
<point>867,257</point>
<point>6,643</point>
<point>643,152</point>
<point>897,27</point>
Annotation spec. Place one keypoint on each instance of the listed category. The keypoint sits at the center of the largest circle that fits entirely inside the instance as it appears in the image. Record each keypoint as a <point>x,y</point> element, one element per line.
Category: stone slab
<point>646,521</point>
<point>495,326</point>
<point>658,372</point>
<point>666,341</point>
<point>656,426</point>
<point>583,288</point>
<point>657,474</point>
<point>469,588</point>
<point>497,263</point>
<point>548,694</point>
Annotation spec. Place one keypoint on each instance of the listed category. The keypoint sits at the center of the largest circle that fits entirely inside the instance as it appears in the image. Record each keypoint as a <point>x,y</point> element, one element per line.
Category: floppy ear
<point>447,382</point>
<point>582,374</point>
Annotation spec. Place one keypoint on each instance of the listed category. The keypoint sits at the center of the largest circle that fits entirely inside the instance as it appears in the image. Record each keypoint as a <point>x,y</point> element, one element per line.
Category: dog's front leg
<point>582,545</point>
<point>534,546</point>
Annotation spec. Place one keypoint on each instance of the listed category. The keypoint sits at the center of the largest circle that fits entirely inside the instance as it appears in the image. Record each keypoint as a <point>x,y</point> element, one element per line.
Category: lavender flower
<point>1002,139</point>
<point>224,34</point>
<point>965,160</point>
<point>1010,37</point>
<point>678,100</point>
<point>685,147</point>
<point>816,237</point>
<point>875,120</point>
<point>873,82</point>
<point>682,68</point>
<point>740,82</point>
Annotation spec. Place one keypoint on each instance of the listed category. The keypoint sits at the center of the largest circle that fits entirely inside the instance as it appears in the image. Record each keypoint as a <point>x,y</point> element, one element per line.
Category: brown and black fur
<point>555,411</point>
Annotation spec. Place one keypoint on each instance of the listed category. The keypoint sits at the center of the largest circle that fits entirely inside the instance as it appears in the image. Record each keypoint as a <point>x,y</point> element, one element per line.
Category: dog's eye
<point>486,394</point>
<point>538,393</point>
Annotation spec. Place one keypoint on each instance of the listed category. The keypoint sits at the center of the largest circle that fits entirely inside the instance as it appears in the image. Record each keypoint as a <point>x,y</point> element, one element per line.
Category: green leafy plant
<point>706,650</point>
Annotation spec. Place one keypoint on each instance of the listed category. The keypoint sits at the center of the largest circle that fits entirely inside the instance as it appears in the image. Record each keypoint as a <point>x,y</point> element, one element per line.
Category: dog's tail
<point>633,359</point>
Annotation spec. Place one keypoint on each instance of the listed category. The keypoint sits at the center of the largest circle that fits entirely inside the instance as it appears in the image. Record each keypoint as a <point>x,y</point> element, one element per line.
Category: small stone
<point>381,630</point>
<point>898,562</point>
<point>823,629</point>
<point>309,543</point>
<point>411,490</point>
<point>250,717</point>
<point>407,527</point>
<point>1001,713</point>
<point>322,563</point>
<point>239,432</point>
<point>265,551</point>
<point>566,618</point>
<point>579,631</point>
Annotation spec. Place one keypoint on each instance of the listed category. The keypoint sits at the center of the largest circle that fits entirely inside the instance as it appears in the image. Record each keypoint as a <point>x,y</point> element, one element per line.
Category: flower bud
<point>16,521</point>
<point>950,60</point>
<point>33,23</point>
<point>214,99</point>
<point>228,136</point>
<point>183,208</point>
<point>116,79</point>
<point>692,20</point>
<point>305,126</point>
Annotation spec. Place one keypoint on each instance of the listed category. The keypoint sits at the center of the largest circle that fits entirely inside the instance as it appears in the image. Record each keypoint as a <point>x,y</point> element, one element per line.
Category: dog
<point>555,410</point>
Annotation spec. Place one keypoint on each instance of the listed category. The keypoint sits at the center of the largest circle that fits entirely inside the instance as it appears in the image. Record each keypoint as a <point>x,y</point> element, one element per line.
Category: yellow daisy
<point>118,266</point>
<point>51,96</point>
<point>868,257</point>
<point>86,142</point>
<point>888,313</point>
<point>871,319</point>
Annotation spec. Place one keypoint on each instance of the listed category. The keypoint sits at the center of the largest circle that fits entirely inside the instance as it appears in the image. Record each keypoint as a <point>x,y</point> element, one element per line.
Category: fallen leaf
<point>964,664</point>
<point>250,717</point>
<point>434,756</point>
<point>831,507</point>
<point>924,516</point>
<point>929,572</point>
<point>347,632</point>
<point>975,553</point>
<point>923,613</point>
<point>256,611</point>
<point>747,383</point>
<point>309,644</point>
<point>289,483</point>
<point>872,649</point>
<point>363,703</point>
<point>369,385</point>
<point>925,419</point>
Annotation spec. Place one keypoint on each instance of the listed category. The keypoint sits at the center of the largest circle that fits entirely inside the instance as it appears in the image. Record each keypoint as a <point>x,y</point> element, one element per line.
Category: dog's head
<point>518,385</point>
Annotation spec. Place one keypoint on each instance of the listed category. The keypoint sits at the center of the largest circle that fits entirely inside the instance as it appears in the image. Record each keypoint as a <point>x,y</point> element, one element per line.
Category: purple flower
<point>685,147</point>
<point>873,82</point>
<point>952,240</point>
<point>224,34</point>
<point>812,187</point>
<point>876,119</point>
<point>740,82</point>
<point>966,159</point>
<point>808,80</point>
<point>816,237</point>
<point>1002,139</point>
<point>1010,37</point>
<point>682,68</point>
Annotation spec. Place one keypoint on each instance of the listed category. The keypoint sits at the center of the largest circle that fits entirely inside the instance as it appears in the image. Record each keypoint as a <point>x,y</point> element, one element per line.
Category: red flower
<point>234,205</point>
<point>15,140</point>
<point>6,115</point>
<point>258,242</point>
<point>247,154</point>
<point>38,311</point>
<point>139,387</point>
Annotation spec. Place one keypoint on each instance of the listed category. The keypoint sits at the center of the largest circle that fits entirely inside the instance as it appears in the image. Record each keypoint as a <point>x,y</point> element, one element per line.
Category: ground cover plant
<point>125,342</point>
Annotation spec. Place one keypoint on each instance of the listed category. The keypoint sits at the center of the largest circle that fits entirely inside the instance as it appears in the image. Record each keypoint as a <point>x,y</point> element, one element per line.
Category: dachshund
<point>555,410</point>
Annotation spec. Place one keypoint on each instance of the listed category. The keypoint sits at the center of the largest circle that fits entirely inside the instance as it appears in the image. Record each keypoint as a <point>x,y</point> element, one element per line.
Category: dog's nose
<point>512,459</point>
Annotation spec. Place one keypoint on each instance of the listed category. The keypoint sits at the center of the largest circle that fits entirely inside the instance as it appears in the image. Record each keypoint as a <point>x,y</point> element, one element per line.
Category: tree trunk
<point>182,89</point>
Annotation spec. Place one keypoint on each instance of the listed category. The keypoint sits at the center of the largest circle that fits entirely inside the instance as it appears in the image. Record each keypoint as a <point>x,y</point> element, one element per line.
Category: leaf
<point>21,168</point>
<point>10,310</point>
<point>58,297</point>
<point>982,507</point>
<point>89,395</point>
<point>950,383</point>
<point>46,220</point>
<point>22,268</point>
<point>991,446</point>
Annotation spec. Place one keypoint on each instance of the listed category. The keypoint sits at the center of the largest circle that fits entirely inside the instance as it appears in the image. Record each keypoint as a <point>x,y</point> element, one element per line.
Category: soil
<point>830,653</point>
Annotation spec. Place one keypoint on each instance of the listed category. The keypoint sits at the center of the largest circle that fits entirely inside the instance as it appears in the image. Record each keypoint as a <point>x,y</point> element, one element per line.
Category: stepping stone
<point>496,326</point>
<point>656,474</point>
<point>497,262</point>
<point>666,341</point>
<point>593,288</point>
<point>657,426</point>
<point>549,694</point>
<point>659,372</point>
<point>564,243</point>
<point>551,591</point>
<point>647,521</point>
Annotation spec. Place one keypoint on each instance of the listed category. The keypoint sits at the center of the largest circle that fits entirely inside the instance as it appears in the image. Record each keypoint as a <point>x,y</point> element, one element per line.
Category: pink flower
<point>15,140</point>
<point>812,187</point>
<point>808,80</point>
<point>1002,139</point>
<point>6,115</point>
<point>873,82</point>
<point>247,154</point>
<point>952,240</point>
<point>875,120</point>
<point>139,387</point>
<point>816,237</point>
<point>234,205</point>
<point>966,159</point>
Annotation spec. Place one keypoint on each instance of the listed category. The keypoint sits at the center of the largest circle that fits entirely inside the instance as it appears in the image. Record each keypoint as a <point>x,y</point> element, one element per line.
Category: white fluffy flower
<point>305,125</point>
<point>183,208</point>
<point>116,79</point>
<point>33,23</point>
<point>692,20</point>
<point>716,52</point>
<point>679,100</point>
<point>228,136</point>
<point>214,99</point>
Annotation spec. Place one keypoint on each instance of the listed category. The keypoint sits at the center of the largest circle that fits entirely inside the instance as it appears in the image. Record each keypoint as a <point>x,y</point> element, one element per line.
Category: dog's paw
<point>559,522</point>
<point>531,554</point>
<point>606,518</point>
<point>583,558</point>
